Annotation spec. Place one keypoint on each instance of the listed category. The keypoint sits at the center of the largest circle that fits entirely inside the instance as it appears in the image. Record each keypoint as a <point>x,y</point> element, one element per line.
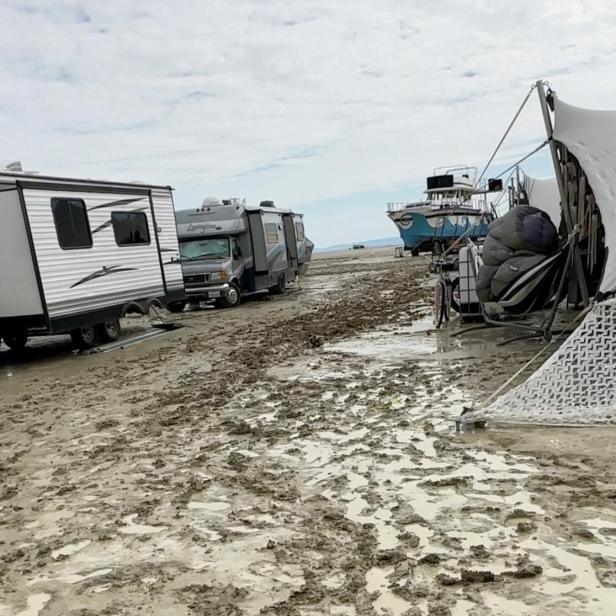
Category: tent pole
<point>547,324</point>
<point>577,259</point>
<point>512,194</point>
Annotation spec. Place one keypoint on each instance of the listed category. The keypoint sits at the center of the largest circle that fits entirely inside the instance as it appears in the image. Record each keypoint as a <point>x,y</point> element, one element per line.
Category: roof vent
<point>14,167</point>
<point>267,204</point>
<point>209,201</point>
<point>234,201</point>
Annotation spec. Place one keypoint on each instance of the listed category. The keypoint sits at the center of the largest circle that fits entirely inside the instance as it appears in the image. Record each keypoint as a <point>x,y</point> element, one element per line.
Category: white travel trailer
<point>230,249</point>
<point>79,254</point>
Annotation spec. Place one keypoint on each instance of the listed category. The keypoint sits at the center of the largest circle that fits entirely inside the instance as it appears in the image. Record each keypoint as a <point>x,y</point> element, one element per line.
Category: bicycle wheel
<point>440,292</point>
<point>447,298</point>
<point>455,294</point>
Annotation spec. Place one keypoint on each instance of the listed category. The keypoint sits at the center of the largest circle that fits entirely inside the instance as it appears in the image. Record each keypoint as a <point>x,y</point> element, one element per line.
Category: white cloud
<point>300,101</point>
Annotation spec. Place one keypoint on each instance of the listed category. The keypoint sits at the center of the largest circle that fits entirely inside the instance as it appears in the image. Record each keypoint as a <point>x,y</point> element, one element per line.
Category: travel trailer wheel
<point>233,297</point>
<point>84,337</point>
<point>109,331</point>
<point>15,342</point>
<point>176,306</point>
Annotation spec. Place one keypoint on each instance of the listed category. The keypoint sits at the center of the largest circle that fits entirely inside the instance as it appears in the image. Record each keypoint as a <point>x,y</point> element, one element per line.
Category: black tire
<point>233,299</point>
<point>109,331</point>
<point>16,341</point>
<point>84,337</point>
<point>415,252</point>
<point>176,306</point>
<point>455,287</point>
<point>281,287</point>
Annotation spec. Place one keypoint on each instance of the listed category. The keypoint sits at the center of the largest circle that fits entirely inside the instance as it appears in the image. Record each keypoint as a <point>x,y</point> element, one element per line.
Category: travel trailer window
<point>271,232</point>
<point>72,225</point>
<point>130,228</point>
<point>299,231</point>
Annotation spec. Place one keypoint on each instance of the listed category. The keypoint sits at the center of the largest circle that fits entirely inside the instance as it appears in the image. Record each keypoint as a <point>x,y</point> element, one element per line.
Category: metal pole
<point>517,183</point>
<point>511,194</point>
<point>555,160</point>
<point>564,206</point>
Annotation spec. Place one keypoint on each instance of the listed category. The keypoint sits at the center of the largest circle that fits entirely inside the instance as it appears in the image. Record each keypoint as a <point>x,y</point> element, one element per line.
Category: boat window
<point>72,226</point>
<point>271,232</point>
<point>130,228</point>
<point>299,231</point>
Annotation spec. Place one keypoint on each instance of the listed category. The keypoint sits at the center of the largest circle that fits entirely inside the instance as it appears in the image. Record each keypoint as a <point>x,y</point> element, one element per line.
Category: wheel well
<point>140,307</point>
<point>155,303</point>
<point>132,308</point>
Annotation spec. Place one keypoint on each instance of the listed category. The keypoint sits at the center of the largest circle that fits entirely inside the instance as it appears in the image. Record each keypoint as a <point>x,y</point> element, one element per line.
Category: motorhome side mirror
<point>236,252</point>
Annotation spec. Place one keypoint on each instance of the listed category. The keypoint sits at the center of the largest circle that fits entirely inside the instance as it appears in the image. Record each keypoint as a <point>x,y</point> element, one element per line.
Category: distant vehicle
<point>80,254</point>
<point>229,249</point>
<point>358,246</point>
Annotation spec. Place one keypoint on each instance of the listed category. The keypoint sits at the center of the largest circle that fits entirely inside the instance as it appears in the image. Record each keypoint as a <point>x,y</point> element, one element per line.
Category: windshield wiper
<point>197,258</point>
<point>194,258</point>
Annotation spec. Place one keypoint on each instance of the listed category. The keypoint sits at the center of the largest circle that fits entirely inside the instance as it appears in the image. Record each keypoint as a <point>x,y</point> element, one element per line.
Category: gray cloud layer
<point>297,100</point>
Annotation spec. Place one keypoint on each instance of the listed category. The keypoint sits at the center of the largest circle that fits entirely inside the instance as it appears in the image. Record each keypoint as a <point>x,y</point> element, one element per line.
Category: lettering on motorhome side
<point>203,227</point>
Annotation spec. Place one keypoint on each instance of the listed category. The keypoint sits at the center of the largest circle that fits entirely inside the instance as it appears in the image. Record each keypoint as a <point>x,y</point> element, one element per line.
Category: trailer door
<point>290,239</point>
<point>20,293</point>
<point>163,213</point>
<point>257,235</point>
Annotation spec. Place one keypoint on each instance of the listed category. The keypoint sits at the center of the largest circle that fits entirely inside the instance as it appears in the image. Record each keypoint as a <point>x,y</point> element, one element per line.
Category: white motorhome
<point>230,249</point>
<point>79,254</point>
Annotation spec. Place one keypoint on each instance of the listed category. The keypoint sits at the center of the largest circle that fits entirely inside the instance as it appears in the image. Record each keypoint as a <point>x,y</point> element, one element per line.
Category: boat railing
<point>395,206</point>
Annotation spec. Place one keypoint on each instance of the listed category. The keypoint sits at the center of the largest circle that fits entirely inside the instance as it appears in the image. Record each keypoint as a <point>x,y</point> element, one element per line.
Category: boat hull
<point>422,229</point>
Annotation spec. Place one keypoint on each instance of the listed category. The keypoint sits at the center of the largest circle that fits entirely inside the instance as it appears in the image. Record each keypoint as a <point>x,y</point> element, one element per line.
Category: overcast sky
<point>331,107</point>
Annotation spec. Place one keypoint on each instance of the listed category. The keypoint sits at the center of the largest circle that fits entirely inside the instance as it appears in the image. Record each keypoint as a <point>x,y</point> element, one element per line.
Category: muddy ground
<point>296,457</point>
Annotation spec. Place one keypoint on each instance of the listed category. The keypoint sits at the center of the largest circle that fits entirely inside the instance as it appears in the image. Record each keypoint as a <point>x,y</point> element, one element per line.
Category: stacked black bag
<point>518,241</point>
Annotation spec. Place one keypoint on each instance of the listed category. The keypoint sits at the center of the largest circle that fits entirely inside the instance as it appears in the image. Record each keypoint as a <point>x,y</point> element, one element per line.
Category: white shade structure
<point>575,386</point>
<point>591,137</point>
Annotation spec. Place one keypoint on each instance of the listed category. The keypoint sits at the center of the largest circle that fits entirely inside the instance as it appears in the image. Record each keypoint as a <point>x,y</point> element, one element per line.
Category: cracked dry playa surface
<point>230,468</point>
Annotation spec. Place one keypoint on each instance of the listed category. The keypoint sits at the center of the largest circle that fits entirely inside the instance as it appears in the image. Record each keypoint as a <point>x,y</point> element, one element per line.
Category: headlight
<point>222,275</point>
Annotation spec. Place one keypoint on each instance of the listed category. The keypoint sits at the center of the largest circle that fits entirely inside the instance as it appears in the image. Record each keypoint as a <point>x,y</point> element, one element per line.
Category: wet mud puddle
<point>457,529</point>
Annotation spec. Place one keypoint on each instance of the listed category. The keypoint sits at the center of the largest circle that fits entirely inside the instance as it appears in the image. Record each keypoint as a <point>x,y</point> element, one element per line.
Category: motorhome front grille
<point>196,279</point>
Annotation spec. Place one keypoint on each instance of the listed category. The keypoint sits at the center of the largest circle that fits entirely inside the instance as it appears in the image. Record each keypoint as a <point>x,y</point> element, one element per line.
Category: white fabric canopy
<point>544,195</point>
<point>591,137</point>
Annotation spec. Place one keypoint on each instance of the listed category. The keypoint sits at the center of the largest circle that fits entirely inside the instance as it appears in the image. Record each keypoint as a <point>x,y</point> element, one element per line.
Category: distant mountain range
<point>394,240</point>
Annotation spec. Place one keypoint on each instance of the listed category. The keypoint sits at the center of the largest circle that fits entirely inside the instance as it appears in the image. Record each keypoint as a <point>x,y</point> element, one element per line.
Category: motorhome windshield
<point>211,248</point>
